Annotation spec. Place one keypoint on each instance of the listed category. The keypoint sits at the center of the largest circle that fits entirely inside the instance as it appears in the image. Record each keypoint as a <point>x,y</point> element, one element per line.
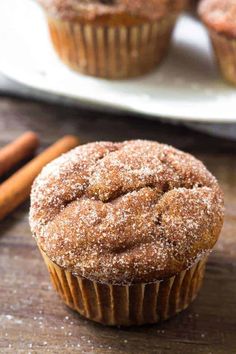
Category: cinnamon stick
<point>18,150</point>
<point>16,189</point>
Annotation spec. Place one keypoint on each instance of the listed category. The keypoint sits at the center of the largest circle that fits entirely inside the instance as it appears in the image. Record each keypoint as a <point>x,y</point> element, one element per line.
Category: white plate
<point>186,87</point>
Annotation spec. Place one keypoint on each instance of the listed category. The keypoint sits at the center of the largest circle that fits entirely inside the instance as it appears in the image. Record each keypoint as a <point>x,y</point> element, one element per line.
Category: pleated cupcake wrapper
<point>225,50</point>
<point>113,52</point>
<point>129,304</point>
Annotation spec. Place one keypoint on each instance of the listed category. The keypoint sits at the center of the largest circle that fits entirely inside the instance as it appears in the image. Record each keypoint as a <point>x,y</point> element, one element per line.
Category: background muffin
<point>125,229</point>
<point>220,18</point>
<point>111,39</point>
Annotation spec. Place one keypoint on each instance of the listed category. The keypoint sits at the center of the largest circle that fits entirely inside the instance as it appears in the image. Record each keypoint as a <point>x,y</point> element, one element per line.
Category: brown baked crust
<point>92,10</point>
<point>126,212</point>
<point>219,15</point>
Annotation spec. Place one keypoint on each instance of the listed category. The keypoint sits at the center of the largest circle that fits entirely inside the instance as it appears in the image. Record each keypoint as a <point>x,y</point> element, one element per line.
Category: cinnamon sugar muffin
<point>220,18</point>
<point>112,39</point>
<point>125,229</point>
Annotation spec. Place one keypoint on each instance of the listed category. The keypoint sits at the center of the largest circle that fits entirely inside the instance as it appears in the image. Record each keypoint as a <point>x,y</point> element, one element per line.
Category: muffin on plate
<point>125,229</point>
<point>219,16</point>
<point>112,39</point>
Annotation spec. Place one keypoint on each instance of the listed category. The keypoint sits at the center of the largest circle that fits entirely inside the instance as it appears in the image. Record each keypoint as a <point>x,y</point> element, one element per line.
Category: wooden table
<point>32,317</point>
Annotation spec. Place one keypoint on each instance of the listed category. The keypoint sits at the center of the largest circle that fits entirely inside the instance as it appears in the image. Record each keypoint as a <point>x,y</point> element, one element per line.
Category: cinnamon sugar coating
<point>129,212</point>
<point>219,15</point>
<point>91,9</point>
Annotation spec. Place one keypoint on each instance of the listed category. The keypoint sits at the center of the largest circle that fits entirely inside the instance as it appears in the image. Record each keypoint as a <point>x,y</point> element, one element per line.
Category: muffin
<point>219,16</point>
<point>112,39</point>
<point>125,229</point>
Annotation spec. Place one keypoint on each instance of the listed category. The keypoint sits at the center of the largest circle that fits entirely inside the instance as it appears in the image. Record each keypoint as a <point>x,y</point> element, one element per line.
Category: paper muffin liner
<point>225,50</point>
<point>113,52</point>
<point>127,304</point>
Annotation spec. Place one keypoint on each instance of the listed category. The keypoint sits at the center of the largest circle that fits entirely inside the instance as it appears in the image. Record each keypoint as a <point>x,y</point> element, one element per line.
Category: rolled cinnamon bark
<point>18,150</point>
<point>16,189</point>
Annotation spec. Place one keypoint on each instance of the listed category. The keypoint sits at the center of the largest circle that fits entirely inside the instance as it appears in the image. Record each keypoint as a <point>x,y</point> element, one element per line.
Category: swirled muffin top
<point>219,15</point>
<point>91,9</point>
<point>129,212</point>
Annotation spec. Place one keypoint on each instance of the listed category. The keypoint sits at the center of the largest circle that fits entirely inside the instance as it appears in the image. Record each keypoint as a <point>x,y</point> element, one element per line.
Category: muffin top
<point>219,15</point>
<point>129,212</point>
<point>92,9</point>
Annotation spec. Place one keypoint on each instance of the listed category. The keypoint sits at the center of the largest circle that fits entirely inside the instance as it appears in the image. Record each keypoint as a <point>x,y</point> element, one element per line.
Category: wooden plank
<point>33,318</point>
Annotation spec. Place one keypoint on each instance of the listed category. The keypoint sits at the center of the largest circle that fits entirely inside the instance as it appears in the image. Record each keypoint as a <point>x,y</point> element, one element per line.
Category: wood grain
<point>33,319</point>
